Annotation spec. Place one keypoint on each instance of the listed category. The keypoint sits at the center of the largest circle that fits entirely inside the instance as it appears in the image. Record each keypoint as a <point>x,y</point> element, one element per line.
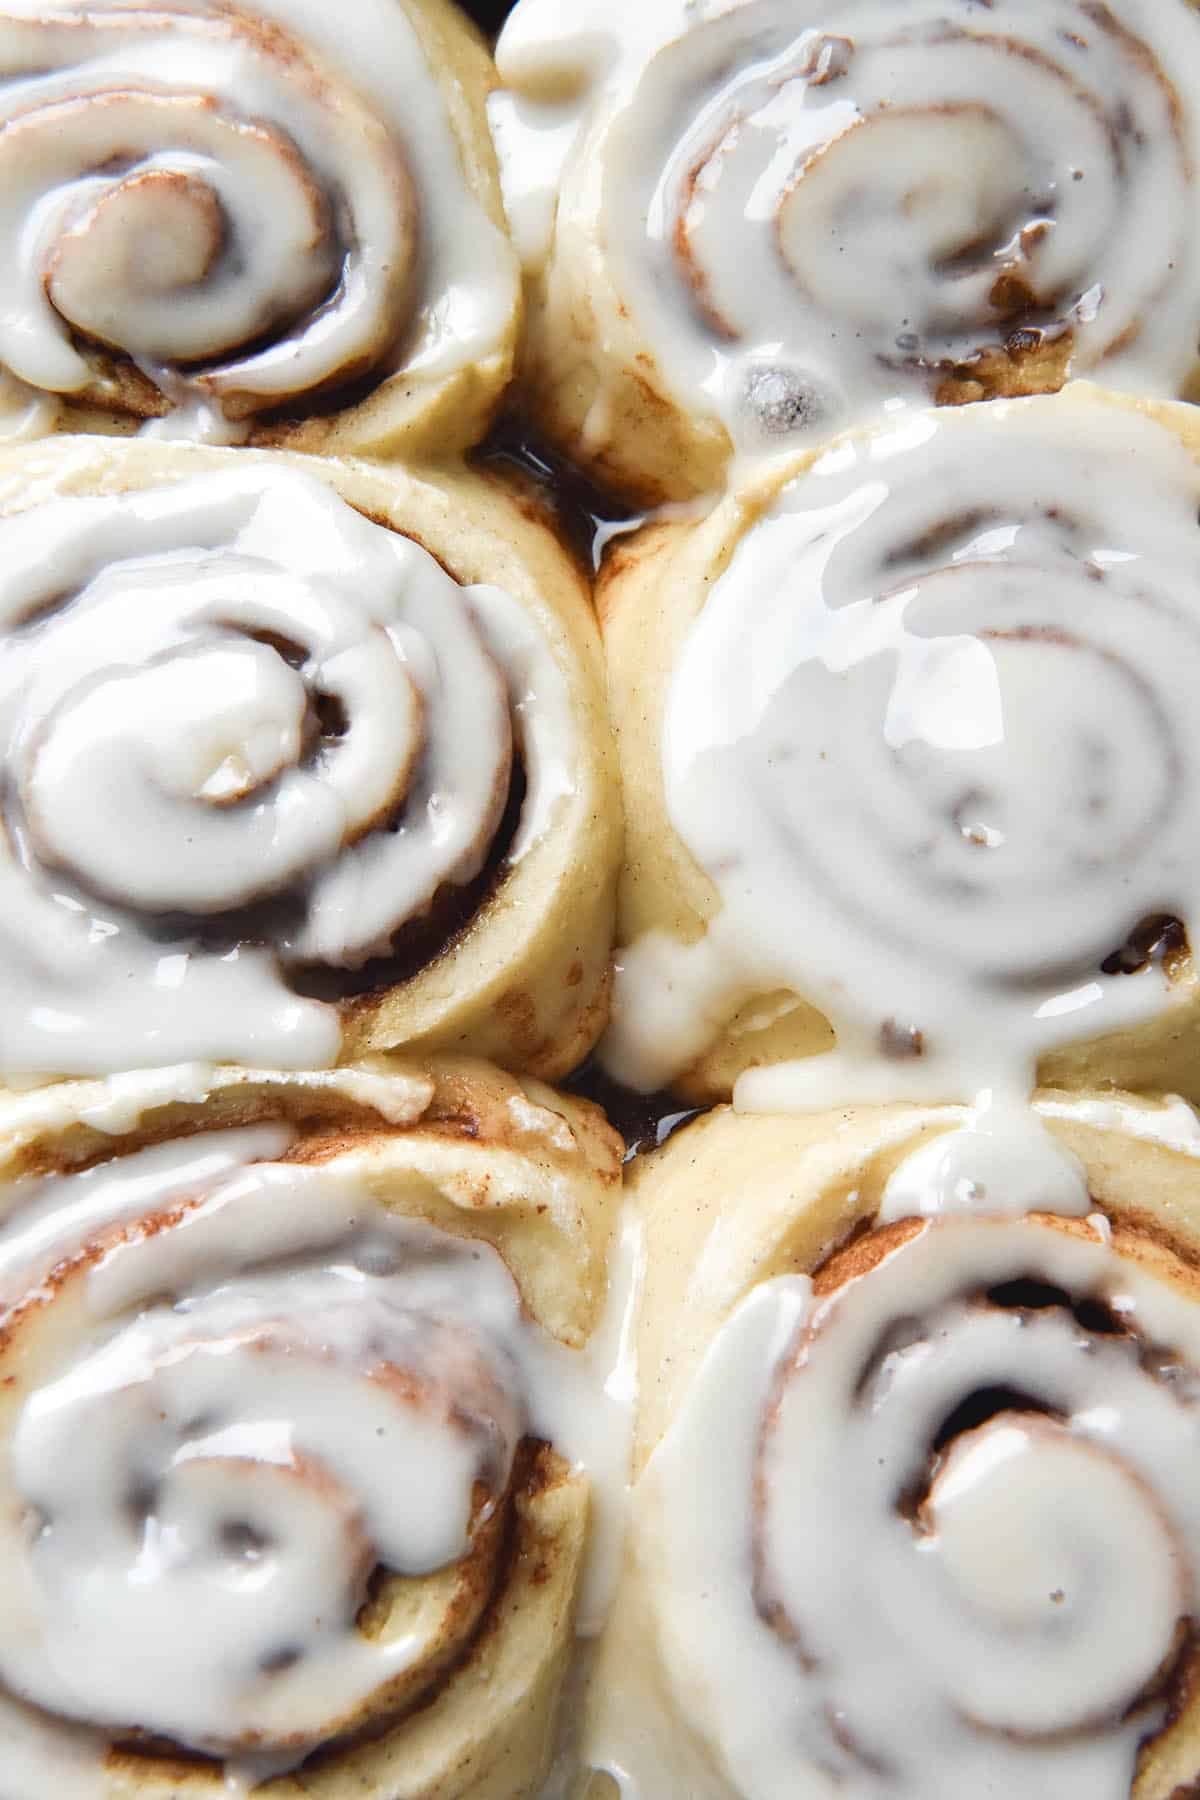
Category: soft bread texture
<point>734,1202</point>
<point>525,978</point>
<point>653,589</point>
<point>499,1157</point>
<point>390,400</point>
<point>677,318</point>
<point>477,1155</point>
<point>811,1185</point>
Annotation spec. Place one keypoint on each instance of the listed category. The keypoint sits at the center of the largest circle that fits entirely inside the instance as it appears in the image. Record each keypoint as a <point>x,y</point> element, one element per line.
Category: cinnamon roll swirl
<point>751,223</point>
<point>299,1420</point>
<point>298,762</point>
<point>916,1507</point>
<point>251,221</point>
<point>911,770</point>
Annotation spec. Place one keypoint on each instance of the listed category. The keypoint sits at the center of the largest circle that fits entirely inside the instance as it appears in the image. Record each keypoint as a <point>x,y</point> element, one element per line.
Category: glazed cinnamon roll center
<point>996,1521</point>
<point>1009,1450</point>
<point>208,748</point>
<point>262,1454</point>
<point>988,773</point>
<point>959,201</point>
<point>186,228</point>
<point>931,209</point>
<point>935,700</point>
<point>162,227</point>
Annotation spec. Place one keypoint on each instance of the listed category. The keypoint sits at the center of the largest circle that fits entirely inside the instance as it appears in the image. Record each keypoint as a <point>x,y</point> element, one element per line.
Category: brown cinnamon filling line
<point>1175,1685</point>
<point>128,389</point>
<point>501,1540</point>
<point>271,920</point>
<point>1025,339</point>
<point>421,942</point>
<point>128,382</point>
<point>414,946</point>
<point>329,1123</point>
<point>1160,940</point>
<point>502,1536</point>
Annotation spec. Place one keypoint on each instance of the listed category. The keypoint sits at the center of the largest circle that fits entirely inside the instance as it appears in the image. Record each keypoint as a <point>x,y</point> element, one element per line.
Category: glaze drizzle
<point>811,211</point>
<point>245,730</point>
<point>251,1395</point>
<point>936,708</point>
<point>287,217</point>
<point>954,1548</point>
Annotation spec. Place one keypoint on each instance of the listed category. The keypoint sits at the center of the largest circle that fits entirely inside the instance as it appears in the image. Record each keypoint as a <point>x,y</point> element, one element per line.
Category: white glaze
<point>159,757</point>
<point>46,1219</point>
<point>235,1367</point>
<point>603,1440</point>
<point>327,169</point>
<point>1172,1121</point>
<point>1000,1161</point>
<point>806,207</point>
<point>1043,1592</point>
<point>120,1103</point>
<point>936,782</point>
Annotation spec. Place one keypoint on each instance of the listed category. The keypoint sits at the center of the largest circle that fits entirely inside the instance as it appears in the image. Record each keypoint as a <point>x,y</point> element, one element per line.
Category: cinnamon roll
<point>299,761</point>
<point>915,1512</point>
<point>750,223</point>
<point>300,1414</point>
<point>250,221</point>
<point>910,764</point>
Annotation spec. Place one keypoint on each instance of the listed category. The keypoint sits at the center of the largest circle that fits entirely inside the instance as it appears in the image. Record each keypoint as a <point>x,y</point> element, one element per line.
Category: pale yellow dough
<point>478,1154</point>
<point>390,409</point>
<point>653,587</point>
<point>735,1200</point>
<point>600,371</point>
<point>526,982</point>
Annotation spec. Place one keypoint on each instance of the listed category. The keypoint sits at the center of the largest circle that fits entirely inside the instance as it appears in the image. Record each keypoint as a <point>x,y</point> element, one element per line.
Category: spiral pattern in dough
<point>807,211</point>
<point>969,1493</point>
<point>231,207</point>
<point>265,1438</point>
<point>937,708</point>
<point>233,712</point>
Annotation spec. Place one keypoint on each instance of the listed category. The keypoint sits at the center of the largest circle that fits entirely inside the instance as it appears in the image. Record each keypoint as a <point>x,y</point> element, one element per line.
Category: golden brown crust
<point>595,388</point>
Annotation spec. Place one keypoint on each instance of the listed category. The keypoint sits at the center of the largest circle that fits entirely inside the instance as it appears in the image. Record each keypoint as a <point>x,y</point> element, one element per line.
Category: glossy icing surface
<point>938,709</point>
<point>1006,1626</point>
<point>246,203</point>
<point>244,729</point>
<point>264,1388</point>
<point>814,211</point>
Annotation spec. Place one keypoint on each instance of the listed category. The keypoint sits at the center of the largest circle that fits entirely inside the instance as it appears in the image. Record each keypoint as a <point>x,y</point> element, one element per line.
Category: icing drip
<point>1000,1160</point>
<point>247,1396</point>
<point>883,1585</point>
<point>48,1219</point>
<point>937,709</point>
<point>242,207</point>
<point>243,730</point>
<point>812,211</point>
